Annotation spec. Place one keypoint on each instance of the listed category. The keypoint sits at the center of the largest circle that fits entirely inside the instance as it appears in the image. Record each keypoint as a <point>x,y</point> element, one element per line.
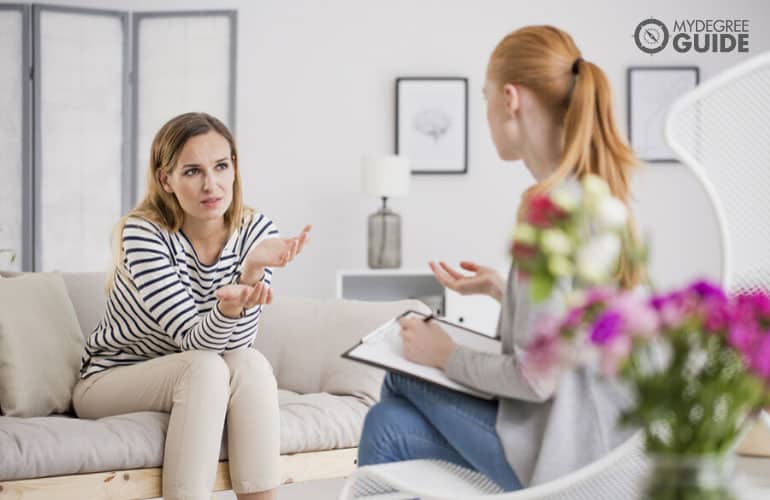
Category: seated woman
<point>192,272</point>
<point>552,109</point>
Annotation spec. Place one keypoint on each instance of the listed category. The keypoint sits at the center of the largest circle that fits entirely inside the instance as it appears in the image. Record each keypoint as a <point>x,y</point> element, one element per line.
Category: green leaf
<point>541,286</point>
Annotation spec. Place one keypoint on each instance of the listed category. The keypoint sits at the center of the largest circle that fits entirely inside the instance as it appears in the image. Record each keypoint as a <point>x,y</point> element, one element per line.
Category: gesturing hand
<point>484,280</point>
<point>234,298</point>
<point>277,252</point>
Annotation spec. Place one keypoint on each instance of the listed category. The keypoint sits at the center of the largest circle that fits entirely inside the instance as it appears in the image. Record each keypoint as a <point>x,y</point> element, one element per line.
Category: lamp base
<point>384,237</point>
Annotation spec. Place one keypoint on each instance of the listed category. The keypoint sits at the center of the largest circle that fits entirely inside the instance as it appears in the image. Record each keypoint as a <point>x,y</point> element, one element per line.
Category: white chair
<point>618,475</point>
<point>721,130</point>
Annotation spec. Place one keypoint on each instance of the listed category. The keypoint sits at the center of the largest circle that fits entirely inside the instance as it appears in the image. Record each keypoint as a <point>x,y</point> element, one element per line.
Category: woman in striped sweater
<point>192,272</point>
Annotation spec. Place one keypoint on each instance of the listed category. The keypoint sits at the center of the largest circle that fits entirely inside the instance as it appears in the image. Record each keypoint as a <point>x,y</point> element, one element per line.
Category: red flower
<point>523,252</point>
<point>542,212</point>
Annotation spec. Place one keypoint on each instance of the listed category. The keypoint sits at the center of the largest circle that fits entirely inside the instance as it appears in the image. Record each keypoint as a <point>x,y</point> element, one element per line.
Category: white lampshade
<point>385,176</point>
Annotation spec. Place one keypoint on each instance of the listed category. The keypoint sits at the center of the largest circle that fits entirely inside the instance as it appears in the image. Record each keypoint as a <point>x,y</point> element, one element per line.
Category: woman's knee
<point>386,423</point>
<point>249,363</point>
<point>395,384</point>
<point>373,436</point>
<point>206,366</point>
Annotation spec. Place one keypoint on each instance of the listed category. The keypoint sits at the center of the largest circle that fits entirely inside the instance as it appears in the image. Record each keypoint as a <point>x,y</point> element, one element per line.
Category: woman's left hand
<point>426,343</point>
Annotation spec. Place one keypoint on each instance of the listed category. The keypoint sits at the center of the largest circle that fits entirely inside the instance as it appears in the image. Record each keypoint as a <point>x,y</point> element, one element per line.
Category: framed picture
<point>651,92</point>
<point>432,124</point>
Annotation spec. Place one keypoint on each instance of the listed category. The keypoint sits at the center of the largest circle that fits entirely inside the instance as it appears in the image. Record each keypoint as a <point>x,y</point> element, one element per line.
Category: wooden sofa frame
<point>146,483</point>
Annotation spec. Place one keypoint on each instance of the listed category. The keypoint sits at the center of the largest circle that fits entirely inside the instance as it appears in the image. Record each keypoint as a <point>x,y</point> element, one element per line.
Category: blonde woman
<point>192,272</point>
<point>552,109</point>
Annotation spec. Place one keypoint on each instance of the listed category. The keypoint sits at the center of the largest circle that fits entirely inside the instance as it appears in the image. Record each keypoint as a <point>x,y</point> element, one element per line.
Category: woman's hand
<point>272,252</point>
<point>426,343</point>
<point>484,280</point>
<point>233,299</point>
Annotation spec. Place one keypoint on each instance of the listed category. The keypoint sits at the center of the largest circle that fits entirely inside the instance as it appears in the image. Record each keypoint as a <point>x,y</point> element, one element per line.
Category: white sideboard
<point>476,312</point>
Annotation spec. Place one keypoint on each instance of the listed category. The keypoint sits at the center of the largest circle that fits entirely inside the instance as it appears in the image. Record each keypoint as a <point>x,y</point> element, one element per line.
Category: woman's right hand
<point>233,299</point>
<point>484,280</point>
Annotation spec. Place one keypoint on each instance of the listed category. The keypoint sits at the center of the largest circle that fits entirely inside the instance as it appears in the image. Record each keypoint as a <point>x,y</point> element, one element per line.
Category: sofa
<point>323,401</point>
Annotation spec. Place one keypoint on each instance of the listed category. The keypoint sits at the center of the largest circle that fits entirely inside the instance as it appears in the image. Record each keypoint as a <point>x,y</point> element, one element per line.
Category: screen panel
<point>183,62</point>
<point>13,98</point>
<point>80,55</point>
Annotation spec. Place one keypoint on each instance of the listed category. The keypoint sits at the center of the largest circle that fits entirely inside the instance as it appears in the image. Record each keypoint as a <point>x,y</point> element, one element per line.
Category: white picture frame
<point>651,92</point>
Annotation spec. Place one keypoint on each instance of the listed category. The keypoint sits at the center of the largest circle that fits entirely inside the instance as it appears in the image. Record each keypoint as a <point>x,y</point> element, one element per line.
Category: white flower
<point>598,258</point>
<point>560,266</point>
<point>524,233</point>
<point>556,242</point>
<point>595,189</point>
<point>567,195</point>
<point>611,213</point>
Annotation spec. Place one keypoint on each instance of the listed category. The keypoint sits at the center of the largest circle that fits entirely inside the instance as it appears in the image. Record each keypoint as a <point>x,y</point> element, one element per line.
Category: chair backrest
<point>721,130</point>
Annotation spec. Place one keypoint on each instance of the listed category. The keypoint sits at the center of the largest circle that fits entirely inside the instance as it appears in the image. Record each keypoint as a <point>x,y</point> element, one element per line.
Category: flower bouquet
<point>697,360</point>
<point>577,230</point>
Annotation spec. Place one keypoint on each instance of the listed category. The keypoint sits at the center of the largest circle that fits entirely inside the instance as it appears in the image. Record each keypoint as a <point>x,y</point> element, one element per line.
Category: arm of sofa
<point>304,338</point>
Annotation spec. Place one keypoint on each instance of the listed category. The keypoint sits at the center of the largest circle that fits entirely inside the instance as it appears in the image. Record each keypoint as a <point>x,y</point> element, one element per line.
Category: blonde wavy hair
<point>163,208</point>
<point>577,94</point>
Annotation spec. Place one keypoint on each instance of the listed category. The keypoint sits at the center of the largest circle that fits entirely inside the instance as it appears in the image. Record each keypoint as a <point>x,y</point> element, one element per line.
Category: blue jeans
<point>415,419</point>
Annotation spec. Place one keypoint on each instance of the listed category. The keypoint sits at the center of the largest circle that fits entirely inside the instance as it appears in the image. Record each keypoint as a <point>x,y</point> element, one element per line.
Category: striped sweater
<point>164,303</point>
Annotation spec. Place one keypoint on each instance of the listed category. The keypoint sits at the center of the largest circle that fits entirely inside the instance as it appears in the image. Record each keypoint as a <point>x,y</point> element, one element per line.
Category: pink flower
<point>640,319</point>
<point>760,358</point>
<point>716,315</point>
<point>614,354</point>
<point>753,307</point>
<point>674,308</point>
<point>759,301</point>
<point>606,327</point>
<point>707,290</point>
<point>599,294</point>
<point>574,318</point>
<point>547,325</point>
<point>743,337</point>
<point>543,355</point>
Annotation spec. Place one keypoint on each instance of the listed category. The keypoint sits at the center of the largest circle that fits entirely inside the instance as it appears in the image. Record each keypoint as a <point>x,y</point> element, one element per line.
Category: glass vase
<point>695,477</point>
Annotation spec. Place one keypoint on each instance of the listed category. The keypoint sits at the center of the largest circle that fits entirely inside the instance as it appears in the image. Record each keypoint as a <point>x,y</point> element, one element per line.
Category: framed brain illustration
<point>432,124</point>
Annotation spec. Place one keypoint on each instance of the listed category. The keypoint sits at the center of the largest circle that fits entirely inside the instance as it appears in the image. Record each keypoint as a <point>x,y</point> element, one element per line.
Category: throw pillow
<point>40,345</point>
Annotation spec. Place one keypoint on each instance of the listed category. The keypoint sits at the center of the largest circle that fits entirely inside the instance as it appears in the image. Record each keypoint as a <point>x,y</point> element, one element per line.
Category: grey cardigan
<point>547,430</point>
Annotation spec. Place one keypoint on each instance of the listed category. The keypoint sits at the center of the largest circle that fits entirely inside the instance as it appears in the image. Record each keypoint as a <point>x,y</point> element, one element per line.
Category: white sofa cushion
<point>61,445</point>
<point>304,339</point>
<point>314,422</point>
<point>40,346</point>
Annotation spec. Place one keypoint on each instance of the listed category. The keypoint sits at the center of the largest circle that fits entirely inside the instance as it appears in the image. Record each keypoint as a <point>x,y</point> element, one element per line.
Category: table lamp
<point>385,177</point>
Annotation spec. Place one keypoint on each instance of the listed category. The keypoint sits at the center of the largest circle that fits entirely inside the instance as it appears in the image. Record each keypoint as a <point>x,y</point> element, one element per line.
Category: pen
<point>427,318</point>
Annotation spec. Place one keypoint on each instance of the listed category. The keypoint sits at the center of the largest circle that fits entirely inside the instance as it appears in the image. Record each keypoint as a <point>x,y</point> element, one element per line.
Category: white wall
<point>315,93</point>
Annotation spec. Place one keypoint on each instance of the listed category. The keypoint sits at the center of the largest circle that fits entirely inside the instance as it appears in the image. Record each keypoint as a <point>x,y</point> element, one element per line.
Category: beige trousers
<point>200,389</point>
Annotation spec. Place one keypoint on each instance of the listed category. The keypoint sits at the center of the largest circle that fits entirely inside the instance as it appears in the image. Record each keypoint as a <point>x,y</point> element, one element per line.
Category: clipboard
<point>382,348</point>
